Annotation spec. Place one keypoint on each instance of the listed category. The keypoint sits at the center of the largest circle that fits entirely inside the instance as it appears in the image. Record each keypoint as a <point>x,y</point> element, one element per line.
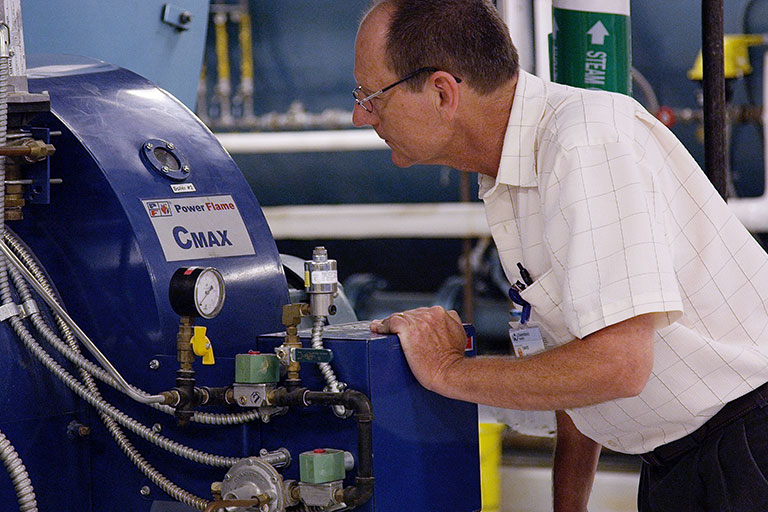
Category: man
<point>650,296</point>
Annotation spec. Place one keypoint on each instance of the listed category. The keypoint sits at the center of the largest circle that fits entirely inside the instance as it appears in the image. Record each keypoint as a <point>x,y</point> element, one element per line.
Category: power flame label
<point>199,227</point>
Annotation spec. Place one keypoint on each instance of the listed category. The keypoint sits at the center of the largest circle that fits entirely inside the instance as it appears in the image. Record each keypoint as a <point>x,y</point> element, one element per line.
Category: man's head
<point>465,45</point>
<point>466,38</point>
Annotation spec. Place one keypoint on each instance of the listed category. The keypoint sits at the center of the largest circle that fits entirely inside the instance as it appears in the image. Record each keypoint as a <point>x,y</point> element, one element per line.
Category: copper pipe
<point>261,499</point>
<point>15,150</point>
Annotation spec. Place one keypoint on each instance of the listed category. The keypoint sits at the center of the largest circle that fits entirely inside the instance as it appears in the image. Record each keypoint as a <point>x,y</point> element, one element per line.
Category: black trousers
<point>728,472</point>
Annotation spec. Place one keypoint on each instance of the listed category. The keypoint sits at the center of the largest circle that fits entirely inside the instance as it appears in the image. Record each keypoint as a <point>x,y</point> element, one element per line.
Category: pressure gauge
<point>197,291</point>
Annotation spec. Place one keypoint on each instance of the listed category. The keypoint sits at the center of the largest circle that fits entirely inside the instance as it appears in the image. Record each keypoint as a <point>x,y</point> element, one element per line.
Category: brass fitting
<point>292,314</point>
<point>184,353</point>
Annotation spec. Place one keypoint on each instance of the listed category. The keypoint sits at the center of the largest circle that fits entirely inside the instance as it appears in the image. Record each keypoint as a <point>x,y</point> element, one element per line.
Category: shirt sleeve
<point>605,230</point>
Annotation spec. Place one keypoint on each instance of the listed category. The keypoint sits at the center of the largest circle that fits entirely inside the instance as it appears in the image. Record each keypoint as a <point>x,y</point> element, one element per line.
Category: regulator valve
<point>321,282</point>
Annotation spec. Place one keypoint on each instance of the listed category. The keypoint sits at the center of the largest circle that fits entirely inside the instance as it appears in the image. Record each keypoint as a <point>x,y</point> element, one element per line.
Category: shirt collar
<point>518,160</point>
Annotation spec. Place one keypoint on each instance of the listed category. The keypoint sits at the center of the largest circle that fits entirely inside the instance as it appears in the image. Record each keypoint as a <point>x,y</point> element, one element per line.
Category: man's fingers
<point>378,327</point>
<point>454,315</point>
<point>392,324</point>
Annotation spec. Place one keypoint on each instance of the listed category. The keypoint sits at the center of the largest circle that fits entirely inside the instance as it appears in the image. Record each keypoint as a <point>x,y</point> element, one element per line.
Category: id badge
<point>526,339</point>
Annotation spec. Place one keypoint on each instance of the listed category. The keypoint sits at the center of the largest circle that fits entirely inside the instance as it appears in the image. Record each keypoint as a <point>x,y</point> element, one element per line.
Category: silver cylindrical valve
<point>321,282</point>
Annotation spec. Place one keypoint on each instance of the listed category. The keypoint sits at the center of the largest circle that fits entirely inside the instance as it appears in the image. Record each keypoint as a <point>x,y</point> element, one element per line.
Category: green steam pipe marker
<point>591,44</point>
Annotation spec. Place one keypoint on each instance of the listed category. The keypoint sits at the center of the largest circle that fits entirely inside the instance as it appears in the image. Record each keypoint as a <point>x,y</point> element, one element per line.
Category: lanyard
<point>514,294</point>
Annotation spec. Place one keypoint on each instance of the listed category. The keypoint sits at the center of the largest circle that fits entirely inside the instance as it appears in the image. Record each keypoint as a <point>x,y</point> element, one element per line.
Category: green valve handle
<point>311,355</point>
<point>591,44</point>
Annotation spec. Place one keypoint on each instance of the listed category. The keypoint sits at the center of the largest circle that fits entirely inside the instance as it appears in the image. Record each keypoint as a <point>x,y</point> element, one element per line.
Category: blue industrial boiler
<point>159,356</point>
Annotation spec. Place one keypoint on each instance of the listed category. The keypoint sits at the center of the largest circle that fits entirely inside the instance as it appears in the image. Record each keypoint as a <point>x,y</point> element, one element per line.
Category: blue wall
<point>127,33</point>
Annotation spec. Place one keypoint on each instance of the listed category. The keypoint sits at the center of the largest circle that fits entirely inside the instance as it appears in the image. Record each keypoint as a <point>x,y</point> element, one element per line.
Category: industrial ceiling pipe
<point>714,93</point>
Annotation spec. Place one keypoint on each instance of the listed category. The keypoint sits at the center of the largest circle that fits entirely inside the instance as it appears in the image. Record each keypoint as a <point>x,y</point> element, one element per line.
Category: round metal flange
<point>165,159</point>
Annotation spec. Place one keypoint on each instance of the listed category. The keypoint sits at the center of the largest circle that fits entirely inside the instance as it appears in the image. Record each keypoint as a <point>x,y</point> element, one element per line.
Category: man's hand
<point>433,340</point>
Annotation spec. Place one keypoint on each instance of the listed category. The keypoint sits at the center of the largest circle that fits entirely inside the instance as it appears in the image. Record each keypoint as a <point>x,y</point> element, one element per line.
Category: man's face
<point>401,117</point>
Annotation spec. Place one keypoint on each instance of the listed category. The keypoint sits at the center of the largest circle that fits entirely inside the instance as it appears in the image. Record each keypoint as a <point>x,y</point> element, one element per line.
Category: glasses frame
<point>357,91</point>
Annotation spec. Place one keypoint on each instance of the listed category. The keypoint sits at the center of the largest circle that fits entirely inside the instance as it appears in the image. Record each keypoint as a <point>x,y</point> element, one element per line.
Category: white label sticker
<point>193,228</point>
<point>178,188</point>
<point>324,277</point>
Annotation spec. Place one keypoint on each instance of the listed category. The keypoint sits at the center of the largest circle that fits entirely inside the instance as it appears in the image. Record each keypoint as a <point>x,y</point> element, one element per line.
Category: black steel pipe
<point>185,387</point>
<point>714,93</point>
<point>360,404</point>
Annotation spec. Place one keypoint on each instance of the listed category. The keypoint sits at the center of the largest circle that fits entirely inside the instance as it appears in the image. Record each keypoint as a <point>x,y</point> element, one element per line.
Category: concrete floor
<point>529,489</point>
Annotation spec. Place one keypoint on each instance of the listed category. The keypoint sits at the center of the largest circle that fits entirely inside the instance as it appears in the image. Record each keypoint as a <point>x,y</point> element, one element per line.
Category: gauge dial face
<point>209,293</point>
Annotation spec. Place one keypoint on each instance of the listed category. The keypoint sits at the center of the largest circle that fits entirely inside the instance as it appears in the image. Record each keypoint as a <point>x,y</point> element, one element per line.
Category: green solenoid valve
<point>255,368</point>
<point>321,466</point>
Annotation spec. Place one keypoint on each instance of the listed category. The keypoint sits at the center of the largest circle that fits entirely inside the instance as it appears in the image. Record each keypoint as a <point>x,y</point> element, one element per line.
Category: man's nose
<point>361,117</point>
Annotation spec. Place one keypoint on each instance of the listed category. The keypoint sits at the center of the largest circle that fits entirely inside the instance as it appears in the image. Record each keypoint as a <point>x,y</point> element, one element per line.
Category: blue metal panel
<point>127,33</point>
<point>425,446</point>
<point>98,244</point>
<point>98,231</point>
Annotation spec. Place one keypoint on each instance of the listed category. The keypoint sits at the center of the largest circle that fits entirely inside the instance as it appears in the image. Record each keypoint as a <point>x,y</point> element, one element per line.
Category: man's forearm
<point>612,363</point>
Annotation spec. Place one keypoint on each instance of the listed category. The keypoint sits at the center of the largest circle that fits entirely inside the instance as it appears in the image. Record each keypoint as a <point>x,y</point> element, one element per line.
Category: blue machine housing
<point>425,452</point>
<point>100,242</point>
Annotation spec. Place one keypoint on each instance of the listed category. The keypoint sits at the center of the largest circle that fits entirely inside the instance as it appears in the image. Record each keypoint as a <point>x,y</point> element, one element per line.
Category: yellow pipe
<point>246,48</point>
<point>222,47</point>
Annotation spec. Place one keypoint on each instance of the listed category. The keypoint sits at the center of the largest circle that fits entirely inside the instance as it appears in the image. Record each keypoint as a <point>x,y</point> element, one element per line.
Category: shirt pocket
<point>546,308</point>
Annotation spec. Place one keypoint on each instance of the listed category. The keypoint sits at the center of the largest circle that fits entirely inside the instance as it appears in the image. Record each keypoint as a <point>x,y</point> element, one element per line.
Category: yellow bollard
<point>490,458</point>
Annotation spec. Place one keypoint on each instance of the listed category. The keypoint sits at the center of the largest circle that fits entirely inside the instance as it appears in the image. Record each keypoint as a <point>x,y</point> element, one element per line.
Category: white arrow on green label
<point>598,33</point>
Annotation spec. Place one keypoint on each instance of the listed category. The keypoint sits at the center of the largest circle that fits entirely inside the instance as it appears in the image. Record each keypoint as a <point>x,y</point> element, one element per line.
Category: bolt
<point>185,168</point>
<point>332,309</point>
<point>185,17</point>
<point>154,364</point>
<point>165,168</point>
<point>76,429</point>
<point>145,490</point>
<point>157,428</point>
<point>170,146</point>
<point>149,145</point>
<point>243,400</point>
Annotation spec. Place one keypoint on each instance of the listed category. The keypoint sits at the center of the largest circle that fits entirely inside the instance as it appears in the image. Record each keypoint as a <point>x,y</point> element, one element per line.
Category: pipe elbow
<point>360,403</point>
<point>360,493</point>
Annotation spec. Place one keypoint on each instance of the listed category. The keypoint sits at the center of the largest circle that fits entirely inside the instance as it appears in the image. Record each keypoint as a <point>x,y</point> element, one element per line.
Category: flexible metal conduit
<point>27,259</point>
<point>325,368</point>
<point>103,406</point>
<point>25,493</point>
<point>19,476</point>
<point>122,441</point>
<point>92,348</point>
<point>275,458</point>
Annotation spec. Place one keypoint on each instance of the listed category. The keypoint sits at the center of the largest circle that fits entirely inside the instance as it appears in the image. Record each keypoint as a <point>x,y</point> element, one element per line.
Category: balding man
<point>649,298</point>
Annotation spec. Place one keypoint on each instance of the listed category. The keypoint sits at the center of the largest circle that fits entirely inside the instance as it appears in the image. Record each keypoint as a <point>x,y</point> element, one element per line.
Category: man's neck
<point>482,129</point>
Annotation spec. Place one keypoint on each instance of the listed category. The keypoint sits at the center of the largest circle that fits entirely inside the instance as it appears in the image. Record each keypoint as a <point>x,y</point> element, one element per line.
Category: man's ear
<point>446,94</point>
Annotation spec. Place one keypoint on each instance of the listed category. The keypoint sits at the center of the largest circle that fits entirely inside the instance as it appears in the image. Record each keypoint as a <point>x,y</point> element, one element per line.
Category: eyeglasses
<point>358,91</point>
